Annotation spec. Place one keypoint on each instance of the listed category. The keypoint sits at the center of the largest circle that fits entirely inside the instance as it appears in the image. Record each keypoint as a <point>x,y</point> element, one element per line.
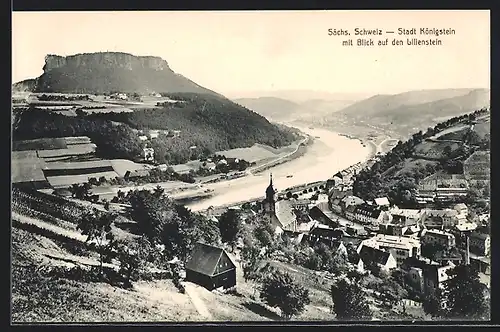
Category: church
<point>279,212</point>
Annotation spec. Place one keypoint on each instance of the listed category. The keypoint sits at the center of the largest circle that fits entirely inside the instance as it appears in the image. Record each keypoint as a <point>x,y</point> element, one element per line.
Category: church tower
<point>269,203</point>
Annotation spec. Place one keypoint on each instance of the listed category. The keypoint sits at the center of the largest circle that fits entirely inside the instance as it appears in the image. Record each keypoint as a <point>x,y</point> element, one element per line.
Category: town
<point>176,167</point>
<point>321,226</point>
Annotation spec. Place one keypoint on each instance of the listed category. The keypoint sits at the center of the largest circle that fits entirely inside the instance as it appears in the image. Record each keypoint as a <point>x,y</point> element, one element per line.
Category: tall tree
<point>97,226</point>
<point>280,290</point>
<point>229,226</point>
<point>349,301</point>
<point>464,294</point>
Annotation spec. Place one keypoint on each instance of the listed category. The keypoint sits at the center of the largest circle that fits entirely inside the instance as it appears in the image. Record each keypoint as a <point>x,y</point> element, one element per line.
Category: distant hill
<point>273,108</point>
<point>279,109</point>
<point>301,96</point>
<point>442,148</point>
<point>414,109</point>
<point>107,72</point>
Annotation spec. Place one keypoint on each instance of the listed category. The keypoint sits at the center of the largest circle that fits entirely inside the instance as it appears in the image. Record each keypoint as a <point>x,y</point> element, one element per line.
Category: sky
<point>235,52</point>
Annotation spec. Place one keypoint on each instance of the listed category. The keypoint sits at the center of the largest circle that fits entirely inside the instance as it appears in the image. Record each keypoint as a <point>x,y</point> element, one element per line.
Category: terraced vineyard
<point>46,207</point>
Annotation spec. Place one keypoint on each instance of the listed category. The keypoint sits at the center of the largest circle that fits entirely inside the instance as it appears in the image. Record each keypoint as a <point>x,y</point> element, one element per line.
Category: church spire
<point>271,179</point>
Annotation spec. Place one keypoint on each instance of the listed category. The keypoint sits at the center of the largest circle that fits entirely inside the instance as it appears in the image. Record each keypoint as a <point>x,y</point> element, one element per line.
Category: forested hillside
<point>397,173</point>
<point>206,123</point>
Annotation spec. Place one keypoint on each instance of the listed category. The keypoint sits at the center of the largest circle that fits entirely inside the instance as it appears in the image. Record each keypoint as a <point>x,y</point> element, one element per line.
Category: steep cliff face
<point>105,59</point>
<point>106,72</point>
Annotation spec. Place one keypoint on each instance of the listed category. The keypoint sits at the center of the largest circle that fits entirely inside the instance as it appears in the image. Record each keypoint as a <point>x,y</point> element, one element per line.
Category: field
<point>68,180</point>
<point>258,152</point>
<point>39,144</point>
<point>38,298</point>
<point>26,167</point>
<point>434,150</point>
<point>72,150</point>
<point>408,167</point>
<point>44,159</point>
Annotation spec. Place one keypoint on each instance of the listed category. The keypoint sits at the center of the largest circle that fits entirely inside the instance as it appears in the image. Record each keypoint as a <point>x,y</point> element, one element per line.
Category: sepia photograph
<point>250,166</point>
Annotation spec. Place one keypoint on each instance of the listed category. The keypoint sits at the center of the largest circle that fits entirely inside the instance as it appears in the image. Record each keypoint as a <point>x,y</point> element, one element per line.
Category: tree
<point>80,191</point>
<point>349,301</point>
<point>158,191</point>
<point>263,232</point>
<point>432,304</point>
<point>130,262</point>
<point>151,213</point>
<point>97,226</point>
<point>251,259</point>
<point>229,226</point>
<point>280,290</point>
<point>464,294</point>
<point>289,195</point>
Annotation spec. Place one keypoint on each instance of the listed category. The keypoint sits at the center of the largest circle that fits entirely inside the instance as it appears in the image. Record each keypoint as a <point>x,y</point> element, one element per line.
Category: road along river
<point>329,154</point>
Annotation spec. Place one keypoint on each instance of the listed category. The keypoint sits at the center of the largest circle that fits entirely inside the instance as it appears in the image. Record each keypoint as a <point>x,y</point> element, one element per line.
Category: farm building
<point>210,267</point>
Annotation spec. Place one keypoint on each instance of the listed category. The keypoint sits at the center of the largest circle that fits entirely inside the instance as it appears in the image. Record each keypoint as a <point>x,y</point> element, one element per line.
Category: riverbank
<point>328,154</point>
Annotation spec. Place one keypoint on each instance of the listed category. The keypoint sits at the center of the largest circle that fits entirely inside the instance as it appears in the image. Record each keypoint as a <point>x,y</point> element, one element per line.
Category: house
<point>154,133</point>
<point>425,275</point>
<point>368,214</point>
<point>334,181</point>
<point>324,237</point>
<point>283,216</point>
<point>401,247</point>
<point>480,243</point>
<point>350,201</point>
<point>398,229</point>
<point>181,169</point>
<point>461,208</point>
<point>355,231</point>
<point>434,276</point>
<point>432,218</point>
<point>438,237</point>
<point>442,187</point>
<point>300,204</point>
<point>324,217</point>
<point>138,173</point>
<point>466,227</point>
<point>149,154</point>
<point>416,278</point>
<point>335,205</point>
<point>324,234</point>
<point>349,212</point>
<point>210,267</point>
<point>357,262</point>
<point>143,138</point>
<point>384,259</point>
<point>382,202</point>
<point>405,217</point>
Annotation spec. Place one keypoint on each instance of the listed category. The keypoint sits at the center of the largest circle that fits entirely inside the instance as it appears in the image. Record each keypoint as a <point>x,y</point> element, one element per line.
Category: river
<point>329,154</point>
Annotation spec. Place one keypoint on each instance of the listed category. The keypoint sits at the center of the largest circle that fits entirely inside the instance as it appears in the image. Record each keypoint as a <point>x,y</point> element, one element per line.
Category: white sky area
<point>236,52</point>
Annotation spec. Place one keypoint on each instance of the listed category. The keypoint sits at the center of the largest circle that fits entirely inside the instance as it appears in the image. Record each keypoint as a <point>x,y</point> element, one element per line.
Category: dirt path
<point>198,303</point>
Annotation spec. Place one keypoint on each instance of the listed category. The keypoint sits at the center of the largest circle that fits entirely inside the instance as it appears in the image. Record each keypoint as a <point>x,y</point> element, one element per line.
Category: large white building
<point>400,247</point>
